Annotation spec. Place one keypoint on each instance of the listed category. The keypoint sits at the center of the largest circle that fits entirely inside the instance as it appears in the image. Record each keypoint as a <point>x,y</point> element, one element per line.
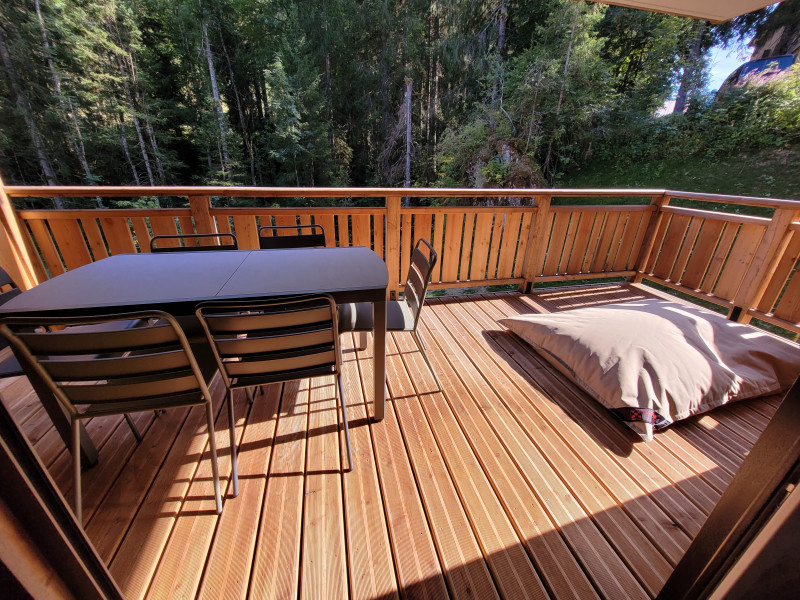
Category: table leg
<point>379,358</point>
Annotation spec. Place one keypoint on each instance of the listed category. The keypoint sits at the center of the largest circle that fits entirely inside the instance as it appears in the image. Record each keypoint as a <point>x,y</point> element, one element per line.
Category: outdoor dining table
<point>176,282</point>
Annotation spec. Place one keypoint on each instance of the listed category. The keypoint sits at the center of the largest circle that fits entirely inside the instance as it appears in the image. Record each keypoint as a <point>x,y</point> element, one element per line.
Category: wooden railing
<point>744,263</point>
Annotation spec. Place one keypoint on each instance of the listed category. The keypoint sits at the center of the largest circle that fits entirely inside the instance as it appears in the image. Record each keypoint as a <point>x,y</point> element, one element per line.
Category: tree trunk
<point>218,102</point>
<point>123,140</point>
<point>24,108</point>
<point>563,88</point>
<point>126,86</point>
<point>688,82</point>
<point>76,140</point>
<point>501,40</point>
<point>238,99</point>
<point>408,137</point>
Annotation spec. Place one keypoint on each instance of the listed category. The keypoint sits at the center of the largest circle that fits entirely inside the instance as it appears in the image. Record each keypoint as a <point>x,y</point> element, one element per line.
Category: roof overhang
<point>716,11</point>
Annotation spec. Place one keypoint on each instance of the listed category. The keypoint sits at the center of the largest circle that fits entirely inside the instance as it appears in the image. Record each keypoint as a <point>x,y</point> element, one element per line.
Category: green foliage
<point>746,118</point>
<point>506,93</point>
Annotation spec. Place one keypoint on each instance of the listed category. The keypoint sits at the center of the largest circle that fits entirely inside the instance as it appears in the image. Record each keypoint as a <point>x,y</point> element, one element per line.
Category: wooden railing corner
<point>654,220</point>
<point>537,243</point>
<point>393,204</point>
<point>765,260</point>
<point>16,257</point>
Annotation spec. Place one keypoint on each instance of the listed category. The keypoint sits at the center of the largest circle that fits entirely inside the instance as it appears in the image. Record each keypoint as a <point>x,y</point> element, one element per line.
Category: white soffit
<point>716,11</point>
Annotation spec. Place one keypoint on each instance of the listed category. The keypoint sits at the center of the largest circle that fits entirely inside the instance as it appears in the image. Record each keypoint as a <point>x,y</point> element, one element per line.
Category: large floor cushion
<point>653,362</point>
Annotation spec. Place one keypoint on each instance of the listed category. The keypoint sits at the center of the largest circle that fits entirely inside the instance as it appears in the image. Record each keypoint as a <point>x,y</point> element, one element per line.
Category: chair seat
<point>357,316</point>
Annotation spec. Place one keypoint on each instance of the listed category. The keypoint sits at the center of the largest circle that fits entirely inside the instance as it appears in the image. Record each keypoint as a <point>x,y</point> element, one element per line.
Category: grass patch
<point>768,173</point>
<point>578,282</point>
<point>510,287</point>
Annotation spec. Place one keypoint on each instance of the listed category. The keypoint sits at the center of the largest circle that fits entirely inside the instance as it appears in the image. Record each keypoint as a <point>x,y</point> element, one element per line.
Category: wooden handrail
<point>43,191</point>
<point>745,263</point>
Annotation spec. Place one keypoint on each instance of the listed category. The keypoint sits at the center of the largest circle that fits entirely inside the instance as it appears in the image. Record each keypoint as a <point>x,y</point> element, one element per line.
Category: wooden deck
<point>511,484</point>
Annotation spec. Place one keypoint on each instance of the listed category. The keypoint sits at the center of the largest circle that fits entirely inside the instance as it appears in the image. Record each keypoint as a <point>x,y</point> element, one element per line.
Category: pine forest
<point>483,93</point>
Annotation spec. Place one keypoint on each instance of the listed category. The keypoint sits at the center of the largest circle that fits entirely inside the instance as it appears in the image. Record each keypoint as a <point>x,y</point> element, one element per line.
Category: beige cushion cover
<point>675,359</point>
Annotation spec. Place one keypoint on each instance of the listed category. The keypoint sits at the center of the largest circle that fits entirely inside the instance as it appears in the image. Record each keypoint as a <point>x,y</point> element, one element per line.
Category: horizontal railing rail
<point>745,263</point>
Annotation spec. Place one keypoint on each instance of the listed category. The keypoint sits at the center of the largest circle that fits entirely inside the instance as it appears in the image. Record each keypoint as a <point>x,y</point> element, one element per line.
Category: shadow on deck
<point>510,483</point>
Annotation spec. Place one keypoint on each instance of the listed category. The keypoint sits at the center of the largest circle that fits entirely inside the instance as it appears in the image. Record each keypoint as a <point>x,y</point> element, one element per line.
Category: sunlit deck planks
<point>510,484</point>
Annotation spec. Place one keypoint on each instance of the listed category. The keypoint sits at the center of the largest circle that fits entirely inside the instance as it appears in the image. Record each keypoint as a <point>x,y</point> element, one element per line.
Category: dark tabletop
<point>177,281</point>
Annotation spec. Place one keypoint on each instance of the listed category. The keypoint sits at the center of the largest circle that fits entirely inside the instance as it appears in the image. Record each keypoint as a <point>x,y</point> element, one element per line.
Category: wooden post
<point>200,207</point>
<point>538,239</point>
<point>767,256</point>
<point>653,223</point>
<point>14,255</point>
<point>393,244</point>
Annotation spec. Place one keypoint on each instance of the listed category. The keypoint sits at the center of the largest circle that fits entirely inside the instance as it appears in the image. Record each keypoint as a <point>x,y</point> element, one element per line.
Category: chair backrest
<point>108,369</point>
<point>272,237</point>
<point>192,242</point>
<point>423,259</point>
<point>264,342</point>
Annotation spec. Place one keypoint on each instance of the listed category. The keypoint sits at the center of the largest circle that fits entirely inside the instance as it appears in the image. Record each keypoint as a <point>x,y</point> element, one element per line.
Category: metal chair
<point>401,315</point>
<point>150,367</point>
<point>279,240</point>
<point>267,342</point>
<point>9,366</point>
<point>183,244</point>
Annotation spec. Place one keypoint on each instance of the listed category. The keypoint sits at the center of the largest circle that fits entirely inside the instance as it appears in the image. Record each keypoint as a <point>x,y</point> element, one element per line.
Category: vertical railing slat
<point>393,243</point>
<point>494,250</point>
<point>671,246</point>
<point>118,235</point>
<point>438,244</point>
<point>781,274</point>
<point>646,241</point>
<point>452,246</point>
<point>534,256</point>
<point>46,246</point>
<point>142,233</point>
<point>405,242</point>
<point>524,240</point>
<point>686,251</point>
<point>326,220</point>
<point>737,263</point>
<point>511,242</point>
<point>467,239</point>
<point>96,243</point>
<point>703,252</point>
<point>69,240</point>
<point>592,241</point>
<point>766,258</point>
<point>555,247</point>
<point>361,230</point>
<point>200,209</point>
<point>582,234</point>
<point>607,237</point>
<point>246,231</point>
<point>718,259</point>
<point>480,246</point>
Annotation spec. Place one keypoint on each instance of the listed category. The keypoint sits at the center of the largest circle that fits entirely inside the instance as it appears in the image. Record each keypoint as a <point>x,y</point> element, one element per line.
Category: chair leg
<point>134,429</point>
<point>232,432</point>
<point>213,446</point>
<point>427,360</point>
<point>344,420</point>
<point>76,469</point>
<point>249,393</point>
<point>362,340</point>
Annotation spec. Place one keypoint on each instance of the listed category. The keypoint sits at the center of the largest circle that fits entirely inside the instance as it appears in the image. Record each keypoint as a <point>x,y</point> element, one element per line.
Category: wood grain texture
<point>509,483</point>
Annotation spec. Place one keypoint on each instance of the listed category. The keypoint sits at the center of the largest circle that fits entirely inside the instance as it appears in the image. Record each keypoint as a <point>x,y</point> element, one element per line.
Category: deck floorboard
<point>508,483</point>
